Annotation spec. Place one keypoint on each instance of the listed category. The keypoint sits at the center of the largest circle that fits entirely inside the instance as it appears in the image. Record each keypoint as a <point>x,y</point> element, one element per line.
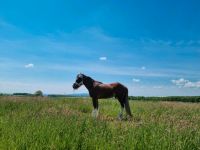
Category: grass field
<point>66,123</point>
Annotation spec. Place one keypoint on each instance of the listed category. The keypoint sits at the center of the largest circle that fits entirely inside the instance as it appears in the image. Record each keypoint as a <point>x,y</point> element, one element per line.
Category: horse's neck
<point>88,83</point>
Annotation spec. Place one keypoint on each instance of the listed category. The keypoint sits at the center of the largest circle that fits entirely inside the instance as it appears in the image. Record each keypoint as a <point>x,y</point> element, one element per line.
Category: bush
<point>21,94</point>
<point>38,93</point>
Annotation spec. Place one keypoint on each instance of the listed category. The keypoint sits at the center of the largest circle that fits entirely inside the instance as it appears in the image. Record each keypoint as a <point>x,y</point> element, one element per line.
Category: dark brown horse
<point>98,90</point>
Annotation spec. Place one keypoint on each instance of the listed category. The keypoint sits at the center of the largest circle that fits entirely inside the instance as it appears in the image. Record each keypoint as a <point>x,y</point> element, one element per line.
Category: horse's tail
<point>126,103</point>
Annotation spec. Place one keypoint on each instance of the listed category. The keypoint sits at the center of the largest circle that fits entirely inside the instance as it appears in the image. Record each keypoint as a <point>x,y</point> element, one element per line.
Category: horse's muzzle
<point>75,86</point>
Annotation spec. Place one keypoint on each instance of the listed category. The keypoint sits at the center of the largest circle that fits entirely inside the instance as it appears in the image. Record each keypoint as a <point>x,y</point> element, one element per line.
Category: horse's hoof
<point>120,117</point>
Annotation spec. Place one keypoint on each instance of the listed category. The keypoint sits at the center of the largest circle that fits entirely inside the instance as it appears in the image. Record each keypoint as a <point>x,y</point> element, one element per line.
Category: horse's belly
<point>103,91</point>
<point>105,95</point>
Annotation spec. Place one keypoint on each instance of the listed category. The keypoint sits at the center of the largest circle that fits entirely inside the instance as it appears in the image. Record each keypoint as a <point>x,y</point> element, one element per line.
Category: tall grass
<point>66,123</point>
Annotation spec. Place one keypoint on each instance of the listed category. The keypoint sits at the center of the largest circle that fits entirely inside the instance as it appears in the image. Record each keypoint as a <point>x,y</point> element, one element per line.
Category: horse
<point>98,90</point>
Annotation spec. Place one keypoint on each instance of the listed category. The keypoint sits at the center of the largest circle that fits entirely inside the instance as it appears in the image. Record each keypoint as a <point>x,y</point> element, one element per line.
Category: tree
<point>38,93</point>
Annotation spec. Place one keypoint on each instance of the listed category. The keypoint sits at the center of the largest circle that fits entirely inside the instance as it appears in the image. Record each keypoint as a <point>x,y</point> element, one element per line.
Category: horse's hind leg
<point>126,103</point>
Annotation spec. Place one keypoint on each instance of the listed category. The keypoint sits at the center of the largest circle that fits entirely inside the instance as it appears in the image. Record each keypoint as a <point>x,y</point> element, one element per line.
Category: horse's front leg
<point>95,112</point>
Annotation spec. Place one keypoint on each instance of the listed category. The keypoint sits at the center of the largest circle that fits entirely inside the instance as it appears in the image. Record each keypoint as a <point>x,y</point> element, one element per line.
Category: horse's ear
<point>80,75</point>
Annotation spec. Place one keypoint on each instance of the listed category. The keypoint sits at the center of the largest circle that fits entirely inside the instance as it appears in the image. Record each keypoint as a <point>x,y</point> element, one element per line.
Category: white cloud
<point>29,66</point>
<point>102,58</point>
<point>180,82</point>
<point>193,84</point>
<point>136,80</point>
<point>186,83</point>
<point>143,67</point>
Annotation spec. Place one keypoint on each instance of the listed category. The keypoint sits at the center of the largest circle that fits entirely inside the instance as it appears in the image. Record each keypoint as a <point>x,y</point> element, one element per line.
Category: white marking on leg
<point>95,113</point>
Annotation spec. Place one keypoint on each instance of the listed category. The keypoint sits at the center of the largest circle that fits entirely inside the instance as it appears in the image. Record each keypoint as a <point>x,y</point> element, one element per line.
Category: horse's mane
<point>97,82</point>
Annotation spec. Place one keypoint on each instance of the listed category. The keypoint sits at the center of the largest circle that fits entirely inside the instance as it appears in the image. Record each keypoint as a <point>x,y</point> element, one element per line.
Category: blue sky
<point>152,47</point>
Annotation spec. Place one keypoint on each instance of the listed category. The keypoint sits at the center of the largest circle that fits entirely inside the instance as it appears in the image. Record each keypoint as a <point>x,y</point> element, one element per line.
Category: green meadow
<point>66,123</point>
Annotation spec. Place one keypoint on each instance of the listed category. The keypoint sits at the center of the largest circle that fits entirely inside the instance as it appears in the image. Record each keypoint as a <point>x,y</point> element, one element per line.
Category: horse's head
<point>79,81</point>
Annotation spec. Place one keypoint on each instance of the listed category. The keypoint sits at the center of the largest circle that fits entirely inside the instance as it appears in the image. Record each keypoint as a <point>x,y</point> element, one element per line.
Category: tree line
<point>37,93</point>
<point>167,98</point>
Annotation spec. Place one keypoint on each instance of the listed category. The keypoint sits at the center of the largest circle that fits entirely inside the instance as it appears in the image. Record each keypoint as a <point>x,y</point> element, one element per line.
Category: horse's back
<point>113,86</point>
<point>119,90</point>
<point>102,90</point>
<point>118,86</point>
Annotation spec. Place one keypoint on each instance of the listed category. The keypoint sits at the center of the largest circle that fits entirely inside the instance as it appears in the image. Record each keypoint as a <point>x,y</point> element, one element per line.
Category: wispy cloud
<point>136,80</point>
<point>186,83</point>
<point>6,25</point>
<point>29,66</point>
<point>143,68</point>
<point>157,42</point>
<point>149,90</point>
<point>99,68</point>
<point>99,34</point>
<point>106,70</point>
<point>157,87</point>
<point>181,42</point>
<point>103,58</point>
